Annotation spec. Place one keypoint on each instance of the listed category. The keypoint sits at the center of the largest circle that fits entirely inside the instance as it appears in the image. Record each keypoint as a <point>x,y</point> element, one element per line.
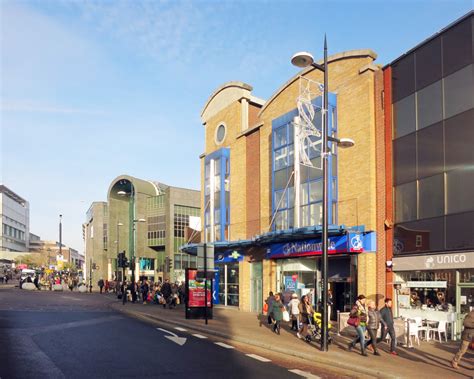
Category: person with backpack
<point>358,319</point>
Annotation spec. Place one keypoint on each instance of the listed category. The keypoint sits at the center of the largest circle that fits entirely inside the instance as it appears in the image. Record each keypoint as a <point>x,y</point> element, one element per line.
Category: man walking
<point>466,337</point>
<point>100,283</point>
<point>166,292</point>
<point>386,317</point>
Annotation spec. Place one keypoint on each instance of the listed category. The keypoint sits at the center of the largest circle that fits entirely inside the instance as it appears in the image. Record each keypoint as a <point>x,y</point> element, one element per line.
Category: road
<point>72,335</point>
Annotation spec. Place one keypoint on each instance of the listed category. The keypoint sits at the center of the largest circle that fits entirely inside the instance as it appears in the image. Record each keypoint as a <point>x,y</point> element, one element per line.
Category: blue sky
<point>92,90</point>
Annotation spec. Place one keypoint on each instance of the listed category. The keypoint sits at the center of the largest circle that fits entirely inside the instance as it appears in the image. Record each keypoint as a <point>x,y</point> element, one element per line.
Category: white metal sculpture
<point>308,124</point>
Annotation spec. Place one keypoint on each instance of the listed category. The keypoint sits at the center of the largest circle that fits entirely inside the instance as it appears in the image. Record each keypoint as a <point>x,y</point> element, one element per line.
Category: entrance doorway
<point>342,298</point>
<point>256,287</point>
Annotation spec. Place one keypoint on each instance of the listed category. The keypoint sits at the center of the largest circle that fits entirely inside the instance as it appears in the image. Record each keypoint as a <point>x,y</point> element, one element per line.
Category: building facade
<point>261,207</point>
<point>429,121</point>
<point>15,216</point>
<point>149,221</point>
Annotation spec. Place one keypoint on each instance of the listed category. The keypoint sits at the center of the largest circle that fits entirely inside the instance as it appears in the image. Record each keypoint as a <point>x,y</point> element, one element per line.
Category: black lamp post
<point>303,60</point>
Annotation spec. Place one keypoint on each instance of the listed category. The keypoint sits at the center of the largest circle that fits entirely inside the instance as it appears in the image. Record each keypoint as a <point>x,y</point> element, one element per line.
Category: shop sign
<point>434,262</point>
<point>228,256</point>
<point>196,294</point>
<point>427,284</point>
<point>347,243</point>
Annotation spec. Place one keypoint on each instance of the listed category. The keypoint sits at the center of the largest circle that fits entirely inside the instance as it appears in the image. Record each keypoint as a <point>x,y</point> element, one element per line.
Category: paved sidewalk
<point>429,360</point>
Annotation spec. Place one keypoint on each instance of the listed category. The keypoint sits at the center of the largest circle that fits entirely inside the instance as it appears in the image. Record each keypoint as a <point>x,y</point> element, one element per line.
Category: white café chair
<point>413,331</point>
<point>441,328</point>
<point>421,327</point>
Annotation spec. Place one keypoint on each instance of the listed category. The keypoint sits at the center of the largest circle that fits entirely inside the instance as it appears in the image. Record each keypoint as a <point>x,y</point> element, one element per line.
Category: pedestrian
<point>293,305</point>
<point>277,313</point>
<point>106,287</point>
<point>467,337</point>
<point>36,282</point>
<point>166,292</point>
<point>123,290</point>
<point>71,284</point>
<point>145,289</point>
<point>306,312</point>
<point>269,301</point>
<point>386,318</point>
<point>373,325</point>
<point>359,316</point>
<point>100,283</point>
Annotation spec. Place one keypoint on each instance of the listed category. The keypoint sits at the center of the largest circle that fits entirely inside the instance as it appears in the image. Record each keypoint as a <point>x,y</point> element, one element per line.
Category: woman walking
<point>358,316</point>
<point>294,311</point>
<point>373,325</point>
<point>277,313</point>
<point>306,311</point>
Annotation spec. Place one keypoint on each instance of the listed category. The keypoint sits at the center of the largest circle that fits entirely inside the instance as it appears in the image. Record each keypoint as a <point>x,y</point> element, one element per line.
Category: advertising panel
<point>196,294</point>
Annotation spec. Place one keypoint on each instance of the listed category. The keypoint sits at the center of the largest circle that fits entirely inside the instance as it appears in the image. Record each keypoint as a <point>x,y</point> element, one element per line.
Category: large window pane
<point>405,202</point>
<point>430,105</point>
<point>459,140</point>
<point>281,156</point>
<point>431,196</point>
<point>404,116</point>
<point>428,63</point>
<point>281,178</point>
<point>404,159</point>
<point>460,184</point>
<point>403,77</point>
<point>457,47</point>
<point>316,214</point>
<point>316,191</point>
<point>280,137</point>
<point>460,231</point>
<point>425,235</point>
<point>430,151</point>
<point>458,91</point>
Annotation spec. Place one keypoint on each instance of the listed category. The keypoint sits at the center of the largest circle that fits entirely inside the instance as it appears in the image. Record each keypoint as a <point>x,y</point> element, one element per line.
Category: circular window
<point>220,133</point>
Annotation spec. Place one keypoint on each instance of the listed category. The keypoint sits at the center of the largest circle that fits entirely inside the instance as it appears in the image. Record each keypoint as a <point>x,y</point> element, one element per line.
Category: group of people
<point>300,313</point>
<point>365,317</point>
<point>162,293</point>
<point>47,281</point>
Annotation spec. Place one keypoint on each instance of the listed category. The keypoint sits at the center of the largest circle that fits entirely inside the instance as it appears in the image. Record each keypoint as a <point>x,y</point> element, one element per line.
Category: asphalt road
<point>72,335</point>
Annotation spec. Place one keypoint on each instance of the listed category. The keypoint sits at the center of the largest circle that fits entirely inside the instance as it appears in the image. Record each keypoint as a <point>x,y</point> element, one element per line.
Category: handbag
<point>353,321</point>
<point>265,307</point>
<point>286,316</point>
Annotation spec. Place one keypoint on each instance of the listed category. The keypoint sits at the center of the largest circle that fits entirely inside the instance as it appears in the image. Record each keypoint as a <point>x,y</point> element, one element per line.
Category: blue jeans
<point>360,338</point>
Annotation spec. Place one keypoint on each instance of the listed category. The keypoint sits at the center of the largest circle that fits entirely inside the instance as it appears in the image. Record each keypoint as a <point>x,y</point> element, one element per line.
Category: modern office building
<point>262,207</point>
<point>149,221</point>
<point>429,124</point>
<point>15,216</point>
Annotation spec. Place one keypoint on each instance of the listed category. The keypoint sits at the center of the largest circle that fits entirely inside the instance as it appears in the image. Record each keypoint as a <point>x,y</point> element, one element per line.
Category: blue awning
<point>279,236</point>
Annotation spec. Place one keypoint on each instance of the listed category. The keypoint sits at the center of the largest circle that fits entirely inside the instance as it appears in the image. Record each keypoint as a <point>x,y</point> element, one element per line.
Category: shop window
<point>428,63</point>
<point>430,105</point>
<point>430,151</point>
<point>459,190</point>
<point>405,202</point>
<point>459,140</point>
<point>457,47</point>
<point>431,196</point>
<point>459,231</point>
<point>404,116</point>
<point>403,77</point>
<point>404,159</point>
<point>458,90</point>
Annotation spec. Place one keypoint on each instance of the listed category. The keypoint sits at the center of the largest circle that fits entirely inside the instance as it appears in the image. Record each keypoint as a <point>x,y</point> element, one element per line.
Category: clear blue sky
<point>92,90</point>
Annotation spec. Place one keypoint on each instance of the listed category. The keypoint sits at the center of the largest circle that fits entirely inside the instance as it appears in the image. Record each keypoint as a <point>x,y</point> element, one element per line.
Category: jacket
<point>374,319</point>
<point>277,310</point>
<point>468,332</point>
<point>294,306</point>
<point>386,316</point>
<point>359,310</point>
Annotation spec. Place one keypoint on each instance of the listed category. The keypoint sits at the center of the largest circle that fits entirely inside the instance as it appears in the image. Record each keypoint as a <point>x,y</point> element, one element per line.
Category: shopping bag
<point>286,316</point>
<point>265,307</point>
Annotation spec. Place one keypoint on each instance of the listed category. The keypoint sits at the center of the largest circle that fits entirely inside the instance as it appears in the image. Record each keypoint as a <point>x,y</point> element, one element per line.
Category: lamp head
<point>121,193</point>
<point>345,143</point>
<point>302,59</point>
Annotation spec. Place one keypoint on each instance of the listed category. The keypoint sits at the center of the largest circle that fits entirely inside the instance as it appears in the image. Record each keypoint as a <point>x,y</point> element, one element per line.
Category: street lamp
<point>302,60</point>
<point>118,248</point>
<point>60,236</point>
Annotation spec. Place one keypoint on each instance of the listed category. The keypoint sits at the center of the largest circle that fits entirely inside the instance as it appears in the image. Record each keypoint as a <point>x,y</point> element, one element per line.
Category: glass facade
<point>182,216</point>
<point>156,220</point>
<point>311,178</point>
<point>433,135</point>
<point>228,283</point>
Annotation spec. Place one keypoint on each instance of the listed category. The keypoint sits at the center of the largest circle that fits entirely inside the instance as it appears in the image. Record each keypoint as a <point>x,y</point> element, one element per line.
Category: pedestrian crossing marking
<point>304,374</point>
<point>224,345</point>
<point>199,336</point>
<point>181,329</point>
<point>258,357</point>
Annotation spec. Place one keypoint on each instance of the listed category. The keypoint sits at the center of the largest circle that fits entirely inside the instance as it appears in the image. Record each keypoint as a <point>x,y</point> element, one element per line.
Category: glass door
<point>256,287</point>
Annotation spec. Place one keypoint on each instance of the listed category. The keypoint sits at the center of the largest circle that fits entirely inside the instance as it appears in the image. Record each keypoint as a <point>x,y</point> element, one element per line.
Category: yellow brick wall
<point>367,275</point>
<point>244,286</point>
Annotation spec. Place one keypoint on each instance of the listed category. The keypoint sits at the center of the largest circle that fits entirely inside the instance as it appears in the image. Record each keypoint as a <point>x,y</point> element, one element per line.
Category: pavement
<point>75,335</point>
<point>429,360</point>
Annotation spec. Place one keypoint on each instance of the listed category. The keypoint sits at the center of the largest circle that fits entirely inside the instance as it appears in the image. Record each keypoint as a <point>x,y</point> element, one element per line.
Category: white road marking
<point>222,344</point>
<point>199,336</point>
<point>181,329</point>
<point>258,357</point>
<point>71,298</point>
<point>304,374</point>
<point>174,337</point>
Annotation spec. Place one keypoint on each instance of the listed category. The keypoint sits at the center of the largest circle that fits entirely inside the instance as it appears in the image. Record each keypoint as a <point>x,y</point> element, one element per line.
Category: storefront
<point>227,278</point>
<point>299,266</point>
<point>434,284</point>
